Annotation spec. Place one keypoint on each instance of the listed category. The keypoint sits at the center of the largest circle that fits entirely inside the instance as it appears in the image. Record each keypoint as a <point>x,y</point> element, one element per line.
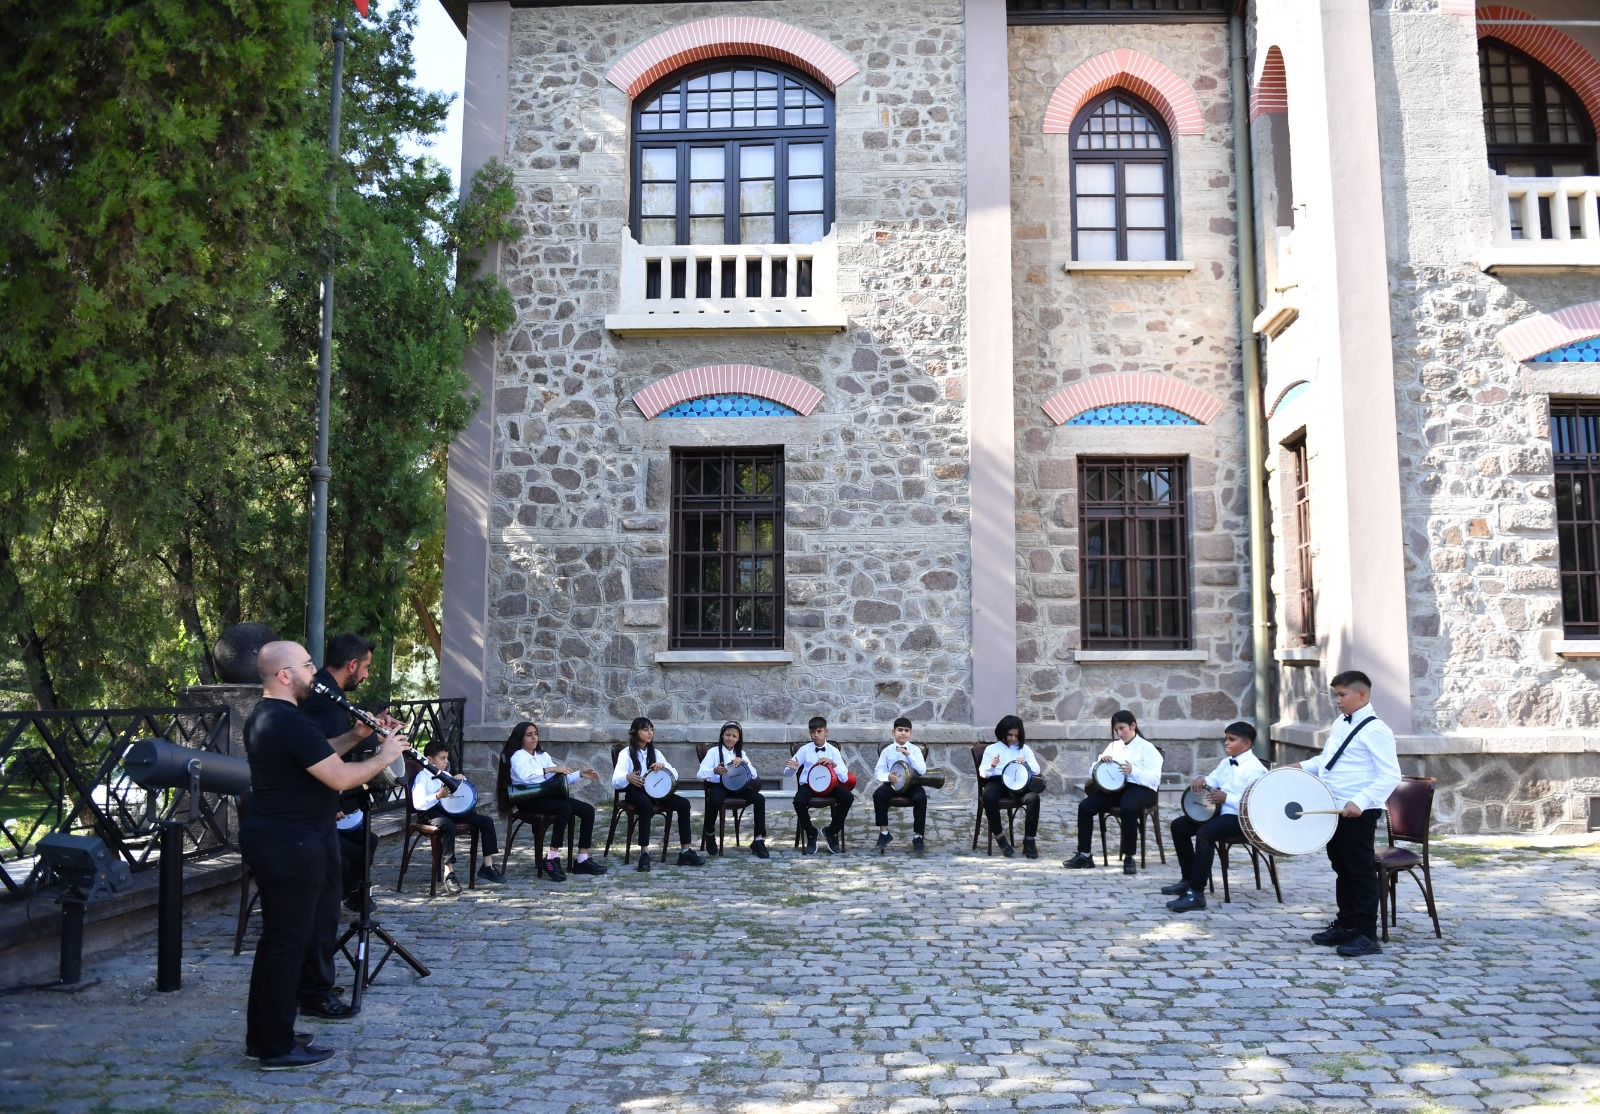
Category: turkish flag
<point>361,6</point>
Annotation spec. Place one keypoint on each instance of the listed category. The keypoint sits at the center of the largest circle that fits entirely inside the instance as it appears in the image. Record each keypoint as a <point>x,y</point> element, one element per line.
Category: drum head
<point>658,783</point>
<point>737,777</point>
<point>1265,809</point>
<point>1108,776</point>
<point>820,779</point>
<point>1015,776</point>
<point>1195,807</point>
<point>899,775</point>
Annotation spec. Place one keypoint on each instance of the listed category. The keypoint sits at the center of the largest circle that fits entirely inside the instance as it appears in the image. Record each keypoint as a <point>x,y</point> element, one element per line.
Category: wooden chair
<point>1410,809</point>
<point>417,829</point>
<point>620,806</point>
<point>735,805</point>
<point>1256,855</point>
<point>816,803</point>
<point>1009,802</point>
<point>1150,814</point>
<point>900,800</point>
<point>538,823</point>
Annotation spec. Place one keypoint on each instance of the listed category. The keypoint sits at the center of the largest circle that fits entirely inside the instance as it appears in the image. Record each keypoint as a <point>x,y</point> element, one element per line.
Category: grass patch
<point>1336,1068</point>
<point>799,899</point>
<point>771,1058</point>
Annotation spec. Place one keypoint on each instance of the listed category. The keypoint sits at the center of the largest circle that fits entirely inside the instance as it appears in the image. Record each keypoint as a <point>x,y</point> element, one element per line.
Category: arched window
<point>1122,194</point>
<point>1535,124</point>
<point>738,154</point>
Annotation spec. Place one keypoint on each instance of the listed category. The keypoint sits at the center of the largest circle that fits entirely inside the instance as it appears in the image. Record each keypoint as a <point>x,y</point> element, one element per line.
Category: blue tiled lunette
<point>1132,414</point>
<point>1583,352</point>
<point>728,406</point>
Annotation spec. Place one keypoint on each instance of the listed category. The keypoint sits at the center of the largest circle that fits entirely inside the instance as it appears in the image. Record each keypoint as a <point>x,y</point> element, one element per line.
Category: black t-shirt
<point>332,719</point>
<point>283,743</point>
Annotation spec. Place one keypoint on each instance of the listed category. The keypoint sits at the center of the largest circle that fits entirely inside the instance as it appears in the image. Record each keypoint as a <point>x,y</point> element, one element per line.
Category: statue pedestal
<point>240,700</point>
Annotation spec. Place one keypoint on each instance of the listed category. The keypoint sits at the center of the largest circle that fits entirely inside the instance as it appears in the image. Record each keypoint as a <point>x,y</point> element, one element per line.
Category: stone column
<point>989,365</point>
<point>463,630</point>
<point>240,700</point>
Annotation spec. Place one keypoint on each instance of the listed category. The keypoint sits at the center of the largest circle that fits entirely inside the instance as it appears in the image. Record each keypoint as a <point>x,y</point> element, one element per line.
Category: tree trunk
<point>189,612</point>
<point>428,625</point>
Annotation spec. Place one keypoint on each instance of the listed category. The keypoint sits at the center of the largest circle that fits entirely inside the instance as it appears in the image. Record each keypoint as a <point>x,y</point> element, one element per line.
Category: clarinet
<point>372,721</point>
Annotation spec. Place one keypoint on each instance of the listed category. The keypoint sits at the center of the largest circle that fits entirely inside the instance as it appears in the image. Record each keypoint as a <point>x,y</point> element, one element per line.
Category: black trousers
<point>671,803</point>
<point>563,810</point>
<point>842,799</point>
<point>717,793</point>
<point>447,825</point>
<point>1356,878</point>
<point>994,789</point>
<point>351,860</point>
<point>1128,804</point>
<point>919,806</point>
<point>297,875</point>
<point>1196,845</point>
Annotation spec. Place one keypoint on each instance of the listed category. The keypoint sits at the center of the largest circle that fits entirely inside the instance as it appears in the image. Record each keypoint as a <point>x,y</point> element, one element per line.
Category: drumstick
<point>1294,812</point>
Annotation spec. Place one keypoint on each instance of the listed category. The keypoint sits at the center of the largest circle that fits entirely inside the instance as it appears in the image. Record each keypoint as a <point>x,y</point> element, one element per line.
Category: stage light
<point>158,764</point>
<point>80,867</point>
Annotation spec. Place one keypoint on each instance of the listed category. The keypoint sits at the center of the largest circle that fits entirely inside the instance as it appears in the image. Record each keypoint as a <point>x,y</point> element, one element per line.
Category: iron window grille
<point>1122,189</point>
<point>1575,439</point>
<point>1134,554</point>
<point>1117,11</point>
<point>1305,617</point>
<point>727,549</point>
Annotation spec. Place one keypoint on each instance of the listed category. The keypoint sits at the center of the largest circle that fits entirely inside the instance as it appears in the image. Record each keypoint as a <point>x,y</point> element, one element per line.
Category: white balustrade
<point>1544,223</point>
<point>778,287</point>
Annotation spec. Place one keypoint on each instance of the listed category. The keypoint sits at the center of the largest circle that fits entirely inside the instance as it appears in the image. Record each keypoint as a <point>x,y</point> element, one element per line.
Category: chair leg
<point>666,834</point>
<point>412,839</point>
<point>1272,871</point>
<point>1155,818</point>
<point>1105,860</point>
<point>977,823</point>
<point>512,824</point>
<point>1385,900</point>
<point>1255,862</point>
<point>472,865</point>
<point>1222,860</point>
<point>1427,895</point>
<point>611,834</point>
<point>438,865</point>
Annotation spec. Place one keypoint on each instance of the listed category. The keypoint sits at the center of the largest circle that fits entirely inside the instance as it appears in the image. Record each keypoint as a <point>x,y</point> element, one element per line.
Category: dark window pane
<point>1133,510</point>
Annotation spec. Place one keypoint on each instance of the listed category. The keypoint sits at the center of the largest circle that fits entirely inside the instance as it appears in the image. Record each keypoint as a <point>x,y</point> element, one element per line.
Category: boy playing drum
<point>1196,840</point>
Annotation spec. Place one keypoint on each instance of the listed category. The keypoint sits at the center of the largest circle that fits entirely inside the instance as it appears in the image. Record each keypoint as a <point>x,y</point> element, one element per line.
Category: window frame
<point>1166,157</point>
<point>1297,505</point>
<point>1174,509</point>
<point>1571,528</point>
<point>1543,154</point>
<point>728,504</point>
<point>729,140</point>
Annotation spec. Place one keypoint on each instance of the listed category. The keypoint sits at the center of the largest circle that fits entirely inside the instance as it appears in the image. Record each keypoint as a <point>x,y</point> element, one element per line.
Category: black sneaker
<point>1360,945</point>
<point>301,1040</point>
<point>1187,900</point>
<point>1177,888</point>
<point>811,844</point>
<point>708,844</point>
<point>644,862</point>
<point>759,849</point>
<point>1130,865</point>
<point>590,866</point>
<point>298,1058</point>
<point>883,841</point>
<point>1005,846</point>
<point>917,848</point>
<point>451,886</point>
<point>1334,935</point>
<point>490,874</point>
<point>834,846</point>
<point>329,1008</point>
<point>1081,861</point>
<point>552,870</point>
<point>1030,848</point>
<point>690,857</point>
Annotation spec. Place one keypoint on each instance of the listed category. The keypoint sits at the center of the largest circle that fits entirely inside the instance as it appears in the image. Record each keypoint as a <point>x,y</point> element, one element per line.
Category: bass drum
<point>660,784</point>
<point>1288,812</point>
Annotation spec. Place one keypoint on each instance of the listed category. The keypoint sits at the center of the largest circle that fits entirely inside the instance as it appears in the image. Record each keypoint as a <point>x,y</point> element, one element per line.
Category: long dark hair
<point>1122,715</point>
<point>1009,724</point>
<point>639,724</point>
<point>738,748</point>
<point>502,780</point>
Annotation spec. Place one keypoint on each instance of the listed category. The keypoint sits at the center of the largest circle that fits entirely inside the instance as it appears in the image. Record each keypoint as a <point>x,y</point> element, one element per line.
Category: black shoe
<point>1030,848</point>
<point>451,886</point>
<point>690,857</point>
<point>1186,901</point>
<point>708,844</point>
<point>644,862</point>
<point>1333,935</point>
<point>1005,846</point>
<point>884,839</point>
<point>1361,944</point>
<point>811,844</point>
<point>1177,889</point>
<point>759,849</point>
<point>490,874</point>
<point>917,848</point>
<point>834,846</point>
<point>299,1058</point>
<point>329,1008</point>
<point>591,865</point>
<point>301,1040</point>
<point>1130,865</point>
<point>1081,861</point>
<point>551,869</point>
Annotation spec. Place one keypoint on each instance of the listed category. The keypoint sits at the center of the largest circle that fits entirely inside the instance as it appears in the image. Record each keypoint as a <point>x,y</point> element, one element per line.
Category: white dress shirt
<point>892,754</point>
<point>997,756</point>
<point>1233,776</point>
<point>1138,753</point>
<point>528,770</point>
<point>810,754</point>
<point>425,789</point>
<point>720,755</point>
<point>619,776</point>
<point>1368,770</point>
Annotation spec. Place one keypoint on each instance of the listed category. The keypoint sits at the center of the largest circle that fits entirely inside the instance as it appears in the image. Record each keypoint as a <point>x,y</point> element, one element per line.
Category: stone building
<point>917,357</point>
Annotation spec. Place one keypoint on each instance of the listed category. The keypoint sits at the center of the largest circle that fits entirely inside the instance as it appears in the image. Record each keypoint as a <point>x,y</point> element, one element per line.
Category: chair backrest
<point>1410,809</point>
<point>977,756</point>
<point>703,749</point>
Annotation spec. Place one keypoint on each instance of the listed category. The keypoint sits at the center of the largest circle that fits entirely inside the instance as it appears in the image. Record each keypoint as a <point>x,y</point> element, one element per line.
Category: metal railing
<point>1545,222</point>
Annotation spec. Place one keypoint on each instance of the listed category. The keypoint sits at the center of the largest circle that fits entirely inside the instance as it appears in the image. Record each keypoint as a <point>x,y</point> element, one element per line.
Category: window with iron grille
<point>727,549</point>
<point>1134,554</point>
<point>1303,623</point>
<point>1122,195</point>
<point>1116,11</point>
<point>1575,438</point>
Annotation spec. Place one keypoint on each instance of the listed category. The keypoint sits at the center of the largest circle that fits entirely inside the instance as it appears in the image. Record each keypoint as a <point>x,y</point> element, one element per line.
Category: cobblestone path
<point>883,985</point>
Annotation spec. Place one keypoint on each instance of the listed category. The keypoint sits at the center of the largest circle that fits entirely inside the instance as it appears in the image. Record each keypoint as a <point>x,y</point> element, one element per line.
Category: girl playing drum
<point>1140,766</point>
<point>633,763</point>
<point>1010,750</point>
<point>525,768</point>
<point>725,759</point>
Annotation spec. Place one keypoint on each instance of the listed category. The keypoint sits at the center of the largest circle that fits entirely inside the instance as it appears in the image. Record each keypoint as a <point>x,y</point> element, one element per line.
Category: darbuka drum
<point>459,800</point>
<point>1108,777</point>
<point>824,780</point>
<point>1288,812</point>
<point>660,783</point>
<point>1195,806</point>
<point>902,776</point>
<point>551,788</point>
<point>1016,776</point>
<point>737,777</point>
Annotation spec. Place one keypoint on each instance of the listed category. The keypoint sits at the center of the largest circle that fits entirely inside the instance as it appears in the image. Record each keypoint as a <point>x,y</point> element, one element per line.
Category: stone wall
<point>1069,327</point>
<point>876,528</point>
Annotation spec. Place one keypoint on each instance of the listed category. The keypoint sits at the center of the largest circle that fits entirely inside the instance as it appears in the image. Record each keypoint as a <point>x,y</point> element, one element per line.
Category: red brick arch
<point>1559,51</point>
<point>727,37</point>
<point>1536,335</point>
<point>1145,389</point>
<point>1270,94</point>
<point>1127,69</point>
<point>716,379</point>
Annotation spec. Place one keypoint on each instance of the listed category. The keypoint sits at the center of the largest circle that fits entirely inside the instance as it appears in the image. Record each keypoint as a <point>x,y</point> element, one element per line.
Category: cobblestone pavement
<point>882,984</point>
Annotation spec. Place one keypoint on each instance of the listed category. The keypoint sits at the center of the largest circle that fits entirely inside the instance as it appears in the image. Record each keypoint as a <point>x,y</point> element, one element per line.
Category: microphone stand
<point>366,926</point>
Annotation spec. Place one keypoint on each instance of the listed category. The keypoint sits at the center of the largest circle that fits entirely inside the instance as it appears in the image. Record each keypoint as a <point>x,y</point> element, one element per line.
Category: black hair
<point>1351,679</point>
<point>639,724</point>
<point>738,748</point>
<point>1009,724</point>
<point>344,649</point>
<point>434,747</point>
<point>1240,729</point>
<point>502,780</point>
<point>903,721</point>
<point>816,722</point>
<point>1122,715</point>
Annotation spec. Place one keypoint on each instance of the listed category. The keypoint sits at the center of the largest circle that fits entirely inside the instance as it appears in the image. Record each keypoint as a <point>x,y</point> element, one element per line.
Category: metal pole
<point>317,573</point>
<point>1254,426</point>
<point>169,909</point>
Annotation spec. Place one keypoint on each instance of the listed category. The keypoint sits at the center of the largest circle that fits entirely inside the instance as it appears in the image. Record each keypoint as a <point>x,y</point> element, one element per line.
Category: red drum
<point>824,780</point>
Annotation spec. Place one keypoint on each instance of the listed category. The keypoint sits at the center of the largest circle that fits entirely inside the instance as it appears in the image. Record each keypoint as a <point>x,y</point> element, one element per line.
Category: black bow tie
<point>1347,719</point>
<point>1233,761</point>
